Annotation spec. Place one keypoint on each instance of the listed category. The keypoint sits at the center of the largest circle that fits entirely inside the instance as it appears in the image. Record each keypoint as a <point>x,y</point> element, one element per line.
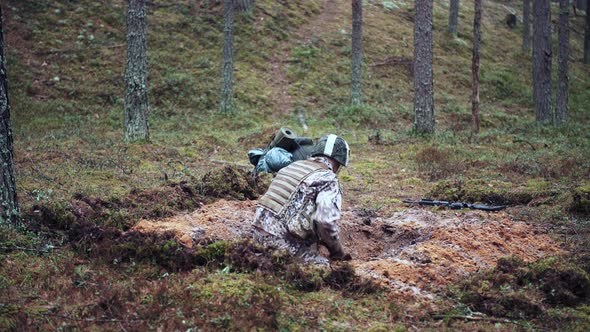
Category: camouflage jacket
<point>312,211</point>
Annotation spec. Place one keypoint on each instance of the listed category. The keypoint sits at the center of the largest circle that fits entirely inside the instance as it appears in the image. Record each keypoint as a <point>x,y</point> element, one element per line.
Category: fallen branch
<point>301,119</point>
<point>24,249</point>
<point>230,163</point>
<point>478,318</point>
<point>394,61</point>
<point>74,49</point>
<point>524,141</point>
<point>93,320</point>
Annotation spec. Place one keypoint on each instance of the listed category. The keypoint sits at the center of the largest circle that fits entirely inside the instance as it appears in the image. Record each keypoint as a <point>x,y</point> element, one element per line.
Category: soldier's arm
<point>326,216</point>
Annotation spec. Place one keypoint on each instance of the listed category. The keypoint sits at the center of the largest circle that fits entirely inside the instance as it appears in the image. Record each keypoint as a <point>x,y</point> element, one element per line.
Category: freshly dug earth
<point>415,252</point>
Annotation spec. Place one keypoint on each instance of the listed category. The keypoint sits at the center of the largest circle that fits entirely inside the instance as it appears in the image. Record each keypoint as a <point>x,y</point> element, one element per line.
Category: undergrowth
<point>81,188</point>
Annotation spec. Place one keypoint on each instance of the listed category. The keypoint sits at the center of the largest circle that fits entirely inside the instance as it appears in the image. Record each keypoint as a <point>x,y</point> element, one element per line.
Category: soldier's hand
<point>340,256</point>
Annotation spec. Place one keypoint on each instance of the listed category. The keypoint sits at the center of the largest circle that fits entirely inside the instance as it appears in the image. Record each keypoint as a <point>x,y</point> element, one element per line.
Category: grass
<point>66,86</point>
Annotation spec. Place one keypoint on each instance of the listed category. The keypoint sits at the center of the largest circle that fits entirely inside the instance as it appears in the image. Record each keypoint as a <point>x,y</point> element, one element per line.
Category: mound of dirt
<point>418,252</point>
<point>221,220</point>
<point>415,252</point>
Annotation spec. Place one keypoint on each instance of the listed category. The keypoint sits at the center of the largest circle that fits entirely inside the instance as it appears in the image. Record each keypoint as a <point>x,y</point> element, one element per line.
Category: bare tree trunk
<point>542,60</point>
<point>587,35</point>
<point>227,70</point>
<point>475,67</point>
<point>526,26</point>
<point>356,92</point>
<point>9,210</point>
<point>561,107</point>
<point>423,76</point>
<point>136,71</point>
<point>453,17</point>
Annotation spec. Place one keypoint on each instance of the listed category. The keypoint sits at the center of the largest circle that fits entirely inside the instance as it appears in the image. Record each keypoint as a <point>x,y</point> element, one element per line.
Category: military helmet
<point>334,147</point>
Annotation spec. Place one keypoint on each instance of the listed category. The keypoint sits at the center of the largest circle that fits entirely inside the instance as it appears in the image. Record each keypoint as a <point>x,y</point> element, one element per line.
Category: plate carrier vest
<point>284,185</point>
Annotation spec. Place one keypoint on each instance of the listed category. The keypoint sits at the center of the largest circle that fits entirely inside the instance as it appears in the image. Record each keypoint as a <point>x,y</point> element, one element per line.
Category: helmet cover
<point>334,147</point>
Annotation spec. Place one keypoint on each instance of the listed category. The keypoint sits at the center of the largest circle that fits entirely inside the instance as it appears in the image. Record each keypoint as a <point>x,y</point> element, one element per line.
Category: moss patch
<point>491,192</point>
<point>516,289</point>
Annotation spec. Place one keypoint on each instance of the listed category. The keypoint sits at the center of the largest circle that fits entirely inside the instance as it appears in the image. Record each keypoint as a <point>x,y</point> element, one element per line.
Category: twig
<point>73,49</point>
<point>527,142</point>
<point>394,61</point>
<point>478,318</point>
<point>24,249</point>
<point>301,119</point>
<point>95,320</point>
<point>231,163</point>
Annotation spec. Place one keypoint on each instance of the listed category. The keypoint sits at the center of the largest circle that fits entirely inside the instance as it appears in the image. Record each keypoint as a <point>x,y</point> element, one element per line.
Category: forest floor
<point>415,253</point>
<point>154,236</point>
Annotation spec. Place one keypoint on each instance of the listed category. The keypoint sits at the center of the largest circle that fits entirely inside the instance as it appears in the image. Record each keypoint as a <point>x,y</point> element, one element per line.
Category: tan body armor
<point>284,187</point>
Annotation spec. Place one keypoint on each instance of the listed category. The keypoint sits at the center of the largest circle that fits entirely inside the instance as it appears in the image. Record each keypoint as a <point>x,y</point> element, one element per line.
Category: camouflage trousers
<point>307,250</point>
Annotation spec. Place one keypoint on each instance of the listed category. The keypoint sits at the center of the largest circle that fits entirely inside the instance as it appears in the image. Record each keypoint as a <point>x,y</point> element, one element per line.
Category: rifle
<point>456,205</point>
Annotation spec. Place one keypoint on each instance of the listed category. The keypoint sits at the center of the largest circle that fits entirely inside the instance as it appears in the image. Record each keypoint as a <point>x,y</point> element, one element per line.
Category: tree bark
<point>561,107</point>
<point>526,26</point>
<point>9,210</point>
<point>587,36</point>
<point>136,72</point>
<point>356,92</point>
<point>542,60</point>
<point>475,67</point>
<point>453,17</point>
<point>227,69</point>
<point>423,76</point>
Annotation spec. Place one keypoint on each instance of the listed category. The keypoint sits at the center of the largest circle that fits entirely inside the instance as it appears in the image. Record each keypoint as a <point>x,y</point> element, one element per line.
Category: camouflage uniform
<point>301,207</point>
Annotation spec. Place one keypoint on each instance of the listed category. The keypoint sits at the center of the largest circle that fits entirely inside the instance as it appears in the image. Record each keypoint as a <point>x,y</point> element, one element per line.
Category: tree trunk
<point>356,92</point>
<point>587,36</point>
<point>542,60</point>
<point>136,71</point>
<point>561,107</point>
<point>475,67</point>
<point>453,17</point>
<point>9,211</point>
<point>227,69</point>
<point>526,26</point>
<point>423,84</point>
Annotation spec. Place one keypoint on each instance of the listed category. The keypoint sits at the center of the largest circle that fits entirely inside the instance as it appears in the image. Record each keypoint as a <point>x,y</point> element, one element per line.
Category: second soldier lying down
<point>302,206</point>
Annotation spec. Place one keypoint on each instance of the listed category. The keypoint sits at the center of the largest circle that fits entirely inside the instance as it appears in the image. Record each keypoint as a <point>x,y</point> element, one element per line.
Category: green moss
<point>492,192</point>
<point>580,202</point>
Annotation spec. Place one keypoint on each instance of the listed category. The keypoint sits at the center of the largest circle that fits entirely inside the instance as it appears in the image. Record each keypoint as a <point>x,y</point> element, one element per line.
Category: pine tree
<point>587,35</point>
<point>453,17</point>
<point>475,67</point>
<point>227,68</point>
<point>542,60</point>
<point>9,210</point>
<point>136,72</point>
<point>526,26</point>
<point>561,105</point>
<point>356,94</point>
<point>423,73</point>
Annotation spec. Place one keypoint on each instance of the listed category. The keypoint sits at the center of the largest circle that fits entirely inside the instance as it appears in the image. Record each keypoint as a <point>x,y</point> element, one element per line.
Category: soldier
<point>302,206</point>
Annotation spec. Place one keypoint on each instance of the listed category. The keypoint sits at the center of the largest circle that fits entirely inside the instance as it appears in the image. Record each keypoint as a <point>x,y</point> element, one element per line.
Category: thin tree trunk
<point>561,107</point>
<point>587,35</point>
<point>542,60</point>
<point>9,210</point>
<point>475,67</point>
<point>423,76</point>
<point>136,71</point>
<point>453,17</point>
<point>227,70</point>
<point>356,92</point>
<point>526,26</point>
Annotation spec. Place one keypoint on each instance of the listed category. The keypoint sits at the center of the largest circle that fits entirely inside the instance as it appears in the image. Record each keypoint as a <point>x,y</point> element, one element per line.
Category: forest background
<point>78,182</point>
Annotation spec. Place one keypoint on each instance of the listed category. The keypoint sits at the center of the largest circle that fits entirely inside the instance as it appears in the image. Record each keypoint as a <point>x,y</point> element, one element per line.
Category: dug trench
<point>414,254</point>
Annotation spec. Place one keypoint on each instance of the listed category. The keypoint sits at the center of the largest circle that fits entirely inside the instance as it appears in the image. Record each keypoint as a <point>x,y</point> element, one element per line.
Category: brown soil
<point>415,252</point>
